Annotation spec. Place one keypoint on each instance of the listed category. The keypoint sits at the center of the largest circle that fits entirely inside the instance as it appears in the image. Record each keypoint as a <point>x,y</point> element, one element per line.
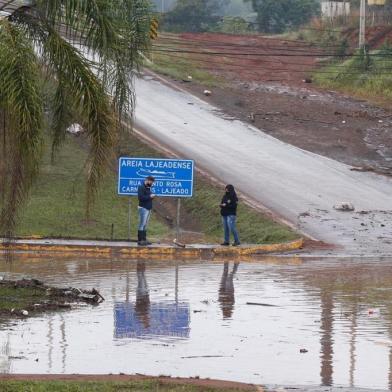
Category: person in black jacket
<point>229,215</point>
<point>145,206</point>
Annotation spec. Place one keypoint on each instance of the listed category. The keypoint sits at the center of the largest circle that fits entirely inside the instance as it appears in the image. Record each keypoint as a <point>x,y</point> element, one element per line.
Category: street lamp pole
<point>362,23</point>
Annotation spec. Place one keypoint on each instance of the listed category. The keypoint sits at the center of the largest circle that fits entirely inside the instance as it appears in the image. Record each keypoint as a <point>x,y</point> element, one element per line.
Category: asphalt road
<point>297,185</point>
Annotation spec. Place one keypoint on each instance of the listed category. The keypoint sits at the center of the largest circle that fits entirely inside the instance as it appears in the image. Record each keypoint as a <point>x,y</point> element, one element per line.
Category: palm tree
<point>89,50</point>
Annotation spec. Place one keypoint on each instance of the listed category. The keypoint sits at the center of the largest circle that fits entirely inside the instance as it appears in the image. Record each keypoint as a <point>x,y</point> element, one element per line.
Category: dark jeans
<point>229,225</point>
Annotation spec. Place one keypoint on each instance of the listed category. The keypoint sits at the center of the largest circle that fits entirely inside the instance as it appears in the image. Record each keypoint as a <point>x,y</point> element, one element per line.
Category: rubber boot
<point>140,237</point>
<point>145,238</point>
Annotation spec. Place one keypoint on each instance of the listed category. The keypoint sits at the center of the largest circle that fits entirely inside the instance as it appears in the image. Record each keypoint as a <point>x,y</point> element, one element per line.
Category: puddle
<point>234,321</point>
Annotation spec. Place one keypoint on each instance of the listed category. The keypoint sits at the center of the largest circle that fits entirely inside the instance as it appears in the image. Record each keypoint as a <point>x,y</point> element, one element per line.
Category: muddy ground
<point>28,297</point>
<point>326,123</point>
<point>269,89</point>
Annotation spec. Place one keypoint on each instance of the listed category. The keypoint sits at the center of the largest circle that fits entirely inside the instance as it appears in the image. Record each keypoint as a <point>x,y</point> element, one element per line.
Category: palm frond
<point>62,116</point>
<point>64,34</point>
<point>21,102</point>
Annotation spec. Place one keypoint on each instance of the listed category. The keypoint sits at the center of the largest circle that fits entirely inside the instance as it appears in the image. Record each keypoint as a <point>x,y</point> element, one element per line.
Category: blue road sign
<point>173,177</point>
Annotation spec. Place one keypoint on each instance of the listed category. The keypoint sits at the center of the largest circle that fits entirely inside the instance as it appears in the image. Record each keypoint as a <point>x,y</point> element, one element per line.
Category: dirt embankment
<point>267,83</point>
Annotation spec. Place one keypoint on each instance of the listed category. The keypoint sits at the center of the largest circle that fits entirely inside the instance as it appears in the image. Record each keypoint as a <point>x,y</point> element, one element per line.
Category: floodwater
<point>211,319</point>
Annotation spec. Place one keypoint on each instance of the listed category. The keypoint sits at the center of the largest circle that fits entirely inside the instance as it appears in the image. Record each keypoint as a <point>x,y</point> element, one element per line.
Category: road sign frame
<point>140,178</point>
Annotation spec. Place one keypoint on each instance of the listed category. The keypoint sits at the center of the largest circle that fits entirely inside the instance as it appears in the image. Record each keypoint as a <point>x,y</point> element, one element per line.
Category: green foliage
<point>365,74</point>
<point>233,25</point>
<point>20,298</point>
<point>181,68</point>
<point>277,16</point>
<point>91,62</point>
<point>193,15</point>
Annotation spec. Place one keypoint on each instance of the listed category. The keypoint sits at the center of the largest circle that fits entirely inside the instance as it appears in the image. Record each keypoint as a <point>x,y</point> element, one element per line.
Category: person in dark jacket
<point>229,215</point>
<point>145,206</point>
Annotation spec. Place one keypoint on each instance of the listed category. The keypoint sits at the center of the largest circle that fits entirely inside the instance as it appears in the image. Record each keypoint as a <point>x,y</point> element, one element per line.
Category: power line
<point>235,67</point>
<point>207,42</point>
<point>228,54</point>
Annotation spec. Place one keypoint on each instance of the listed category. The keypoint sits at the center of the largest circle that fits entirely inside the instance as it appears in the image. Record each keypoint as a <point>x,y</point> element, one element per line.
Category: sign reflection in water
<point>145,319</point>
<point>163,319</point>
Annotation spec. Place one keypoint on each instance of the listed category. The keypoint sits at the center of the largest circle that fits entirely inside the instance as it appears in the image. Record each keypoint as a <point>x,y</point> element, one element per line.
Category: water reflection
<point>187,319</point>
<point>326,338</point>
<point>142,307</point>
<point>5,363</point>
<point>226,290</point>
<point>145,319</point>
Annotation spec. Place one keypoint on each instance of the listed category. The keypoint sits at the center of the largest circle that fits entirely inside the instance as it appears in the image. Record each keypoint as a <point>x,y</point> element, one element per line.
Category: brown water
<point>194,319</point>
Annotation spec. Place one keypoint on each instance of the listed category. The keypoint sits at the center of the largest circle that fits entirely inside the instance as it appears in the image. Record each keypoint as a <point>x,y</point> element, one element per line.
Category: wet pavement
<point>233,321</point>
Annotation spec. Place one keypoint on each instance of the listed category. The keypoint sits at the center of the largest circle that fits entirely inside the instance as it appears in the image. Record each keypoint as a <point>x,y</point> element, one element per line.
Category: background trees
<point>276,16</point>
<point>193,15</point>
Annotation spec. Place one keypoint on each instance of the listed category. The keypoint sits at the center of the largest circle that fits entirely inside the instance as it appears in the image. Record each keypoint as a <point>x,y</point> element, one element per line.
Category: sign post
<point>129,219</point>
<point>178,219</point>
<point>173,178</point>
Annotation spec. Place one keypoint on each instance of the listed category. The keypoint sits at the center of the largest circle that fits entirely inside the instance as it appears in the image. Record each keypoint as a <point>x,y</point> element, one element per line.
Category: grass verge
<point>362,76</point>
<point>19,298</point>
<point>57,204</point>
<point>180,65</point>
<point>56,207</point>
<point>102,386</point>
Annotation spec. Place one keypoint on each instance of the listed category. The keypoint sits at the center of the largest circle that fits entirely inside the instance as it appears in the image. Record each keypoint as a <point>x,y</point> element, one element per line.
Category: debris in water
<point>344,206</point>
<point>259,304</point>
<point>56,298</point>
<point>303,350</point>
<point>374,312</point>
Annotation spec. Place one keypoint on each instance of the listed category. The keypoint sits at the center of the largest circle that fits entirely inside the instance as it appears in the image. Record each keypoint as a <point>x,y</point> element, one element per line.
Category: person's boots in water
<point>145,242</point>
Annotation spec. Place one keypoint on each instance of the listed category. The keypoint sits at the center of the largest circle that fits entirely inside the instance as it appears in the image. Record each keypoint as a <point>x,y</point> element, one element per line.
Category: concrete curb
<point>124,250</point>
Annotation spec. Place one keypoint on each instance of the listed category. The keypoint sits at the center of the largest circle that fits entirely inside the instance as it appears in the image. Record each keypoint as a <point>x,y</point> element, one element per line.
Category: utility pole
<point>362,23</point>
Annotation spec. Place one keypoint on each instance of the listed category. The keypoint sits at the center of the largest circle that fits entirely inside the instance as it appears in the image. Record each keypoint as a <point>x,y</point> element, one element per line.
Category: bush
<point>277,16</point>
<point>233,25</point>
<point>193,16</point>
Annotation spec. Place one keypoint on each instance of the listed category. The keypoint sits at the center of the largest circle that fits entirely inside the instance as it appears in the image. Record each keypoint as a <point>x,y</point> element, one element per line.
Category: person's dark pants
<point>230,226</point>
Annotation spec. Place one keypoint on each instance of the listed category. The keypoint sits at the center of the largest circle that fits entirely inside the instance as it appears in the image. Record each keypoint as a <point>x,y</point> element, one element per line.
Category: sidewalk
<point>126,249</point>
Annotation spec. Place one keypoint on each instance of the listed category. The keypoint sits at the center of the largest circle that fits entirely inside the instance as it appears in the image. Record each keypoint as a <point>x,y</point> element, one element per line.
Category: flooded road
<point>234,321</point>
